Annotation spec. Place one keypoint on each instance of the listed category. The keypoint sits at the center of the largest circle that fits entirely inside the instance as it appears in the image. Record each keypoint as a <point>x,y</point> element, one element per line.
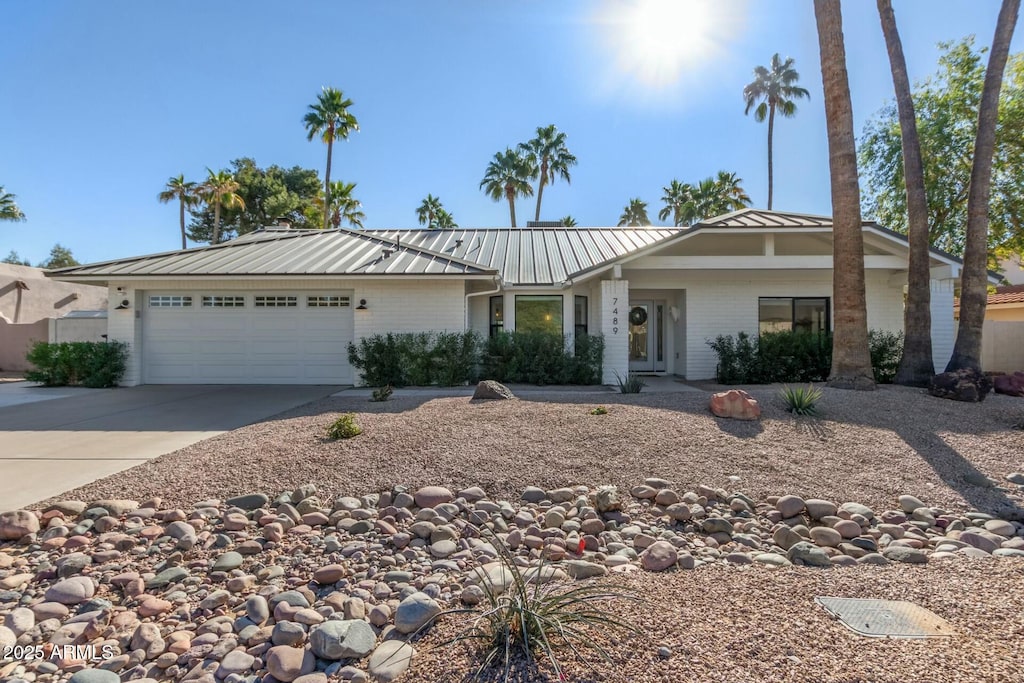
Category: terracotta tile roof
<point>1010,294</point>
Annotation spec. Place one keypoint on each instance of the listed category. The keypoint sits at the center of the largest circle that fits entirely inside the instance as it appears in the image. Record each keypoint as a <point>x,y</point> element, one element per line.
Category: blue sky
<point>103,101</point>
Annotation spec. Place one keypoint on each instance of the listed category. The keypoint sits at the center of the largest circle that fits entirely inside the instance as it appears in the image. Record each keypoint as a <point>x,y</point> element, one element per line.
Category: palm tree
<point>185,192</point>
<point>974,280</point>
<point>775,88</point>
<point>345,207</point>
<point>508,176</point>
<point>733,196</point>
<point>427,211</point>
<point>635,214</point>
<point>445,221</point>
<point>851,361</point>
<point>9,210</point>
<point>330,119</point>
<point>568,222</point>
<point>549,155</point>
<point>219,190</point>
<point>916,366</point>
<point>676,195</point>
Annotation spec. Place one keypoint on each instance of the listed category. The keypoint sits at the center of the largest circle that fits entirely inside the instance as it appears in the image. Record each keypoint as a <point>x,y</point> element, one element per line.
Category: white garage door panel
<point>212,345</point>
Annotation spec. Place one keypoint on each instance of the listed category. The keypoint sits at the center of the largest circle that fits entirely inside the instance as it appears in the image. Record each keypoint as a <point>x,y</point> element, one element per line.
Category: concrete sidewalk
<point>50,446</point>
<point>653,384</point>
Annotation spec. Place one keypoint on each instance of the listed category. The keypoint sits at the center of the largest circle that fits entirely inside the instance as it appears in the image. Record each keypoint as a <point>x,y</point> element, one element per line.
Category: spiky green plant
<point>345,427</point>
<point>600,410</point>
<point>530,618</point>
<point>801,400</point>
<point>381,394</point>
<point>632,383</point>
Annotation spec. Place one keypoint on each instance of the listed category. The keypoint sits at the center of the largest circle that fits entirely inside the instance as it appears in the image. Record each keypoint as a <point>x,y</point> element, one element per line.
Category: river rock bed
<point>301,587</point>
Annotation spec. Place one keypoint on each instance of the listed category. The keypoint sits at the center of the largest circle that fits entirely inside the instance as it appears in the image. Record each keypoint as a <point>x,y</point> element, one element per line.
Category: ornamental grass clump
<point>525,619</point>
<point>345,427</point>
<point>801,400</point>
<point>632,383</point>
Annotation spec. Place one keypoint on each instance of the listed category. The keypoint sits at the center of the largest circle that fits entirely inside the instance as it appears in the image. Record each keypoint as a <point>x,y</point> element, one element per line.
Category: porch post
<point>615,328</point>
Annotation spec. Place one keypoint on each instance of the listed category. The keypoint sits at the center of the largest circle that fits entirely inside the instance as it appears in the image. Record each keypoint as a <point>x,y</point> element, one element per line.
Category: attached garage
<point>234,337</point>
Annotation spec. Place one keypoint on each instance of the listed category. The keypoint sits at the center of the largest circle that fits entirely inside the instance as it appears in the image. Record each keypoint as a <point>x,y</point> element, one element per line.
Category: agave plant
<point>801,400</point>
<point>632,383</point>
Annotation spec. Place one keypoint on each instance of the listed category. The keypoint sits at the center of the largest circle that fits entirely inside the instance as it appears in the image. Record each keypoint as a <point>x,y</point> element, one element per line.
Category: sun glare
<point>659,44</point>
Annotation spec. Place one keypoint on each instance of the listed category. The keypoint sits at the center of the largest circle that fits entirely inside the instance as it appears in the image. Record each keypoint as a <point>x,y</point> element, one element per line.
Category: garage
<point>233,337</point>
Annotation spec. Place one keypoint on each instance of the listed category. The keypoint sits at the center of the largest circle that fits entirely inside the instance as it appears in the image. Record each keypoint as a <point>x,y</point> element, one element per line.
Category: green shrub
<point>795,357</point>
<point>456,356</point>
<point>600,410</point>
<point>886,350</point>
<point>632,383</point>
<point>543,358</point>
<point>416,359</point>
<point>345,427</point>
<point>381,394</point>
<point>801,400</point>
<point>87,364</point>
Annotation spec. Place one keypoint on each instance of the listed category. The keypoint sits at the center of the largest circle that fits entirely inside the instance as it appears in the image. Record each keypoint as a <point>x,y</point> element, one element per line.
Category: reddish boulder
<point>736,404</point>
<point>961,385</point>
<point>1011,385</point>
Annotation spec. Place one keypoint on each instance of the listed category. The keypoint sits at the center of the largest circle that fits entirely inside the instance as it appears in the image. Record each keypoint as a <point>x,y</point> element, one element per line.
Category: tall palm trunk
<point>216,222</point>
<point>771,129</point>
<point>327,178</point>
<point>851,361</point>
<point>511,204</point>
<point>974,282</point>
<point>916,366</point>
<point>540,187</point>
<point>182,219</point>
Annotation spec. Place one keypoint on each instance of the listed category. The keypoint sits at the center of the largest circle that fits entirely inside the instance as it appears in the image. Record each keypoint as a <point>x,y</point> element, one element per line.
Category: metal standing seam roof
<point>758,218</point>
<point>533,256</point>
<point>277,252</point>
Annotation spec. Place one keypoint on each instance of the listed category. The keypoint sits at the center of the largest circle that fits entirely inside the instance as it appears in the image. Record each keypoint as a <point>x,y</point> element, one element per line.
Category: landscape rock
<point>808,554</point>
<point>736,404</point>
<point>965,384</point>
<point>432,496</point>
<point>17,523</point>
<point>415,611</point>
<point>72,591</point>
<point>1011,385</point>
<point>335,640</point>
<point>902,553</point>
<point>659,556</point>
<point>288,663</point>
<point>489,390</point>
<point>790,506</point>
<point>390,660</point>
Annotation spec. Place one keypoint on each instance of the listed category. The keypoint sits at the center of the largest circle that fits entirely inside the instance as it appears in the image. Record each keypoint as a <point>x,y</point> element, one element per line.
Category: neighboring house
<point>29,301</point>
<point>1005,304</point>
<point>1001,335</point>
<point>280,306</point>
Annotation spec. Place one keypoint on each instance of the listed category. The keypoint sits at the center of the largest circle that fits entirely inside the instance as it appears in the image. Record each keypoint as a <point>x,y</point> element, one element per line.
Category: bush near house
<point>87,364</point>
<point>795,357</point>
<point>453,358</point>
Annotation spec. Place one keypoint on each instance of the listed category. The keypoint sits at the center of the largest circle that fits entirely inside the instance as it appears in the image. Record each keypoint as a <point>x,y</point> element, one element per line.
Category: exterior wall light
<point>362,305</point>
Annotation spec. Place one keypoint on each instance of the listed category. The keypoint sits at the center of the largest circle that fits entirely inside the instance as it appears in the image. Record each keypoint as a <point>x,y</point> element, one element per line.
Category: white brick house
<point>280,306</point>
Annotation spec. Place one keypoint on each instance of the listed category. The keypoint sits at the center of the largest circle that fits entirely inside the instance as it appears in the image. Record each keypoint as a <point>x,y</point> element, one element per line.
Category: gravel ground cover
<point>867,446</point>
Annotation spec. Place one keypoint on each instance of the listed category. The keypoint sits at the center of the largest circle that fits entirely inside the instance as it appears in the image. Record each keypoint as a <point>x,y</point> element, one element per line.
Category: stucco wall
<point>15,341</point>
<point>1005,314</point>
<point>44,298</point>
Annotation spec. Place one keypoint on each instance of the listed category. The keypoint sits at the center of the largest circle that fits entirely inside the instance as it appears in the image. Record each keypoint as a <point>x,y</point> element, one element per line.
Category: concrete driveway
<point>48,446</point>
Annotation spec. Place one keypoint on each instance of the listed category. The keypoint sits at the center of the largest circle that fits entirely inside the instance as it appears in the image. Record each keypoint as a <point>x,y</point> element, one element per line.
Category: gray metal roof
<point>278,252</point>
<point>760,218</point>
<point>534,256</point>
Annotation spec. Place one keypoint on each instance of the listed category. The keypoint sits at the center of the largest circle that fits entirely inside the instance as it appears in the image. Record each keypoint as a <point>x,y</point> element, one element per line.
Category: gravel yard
<point>867,447</point>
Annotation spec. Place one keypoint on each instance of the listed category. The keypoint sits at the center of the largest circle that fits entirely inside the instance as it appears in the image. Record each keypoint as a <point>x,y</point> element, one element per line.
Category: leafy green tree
<point>345,207</point>
<point>508,177</point>
<point>974,278</point>
<point>219,190</point>
<point>269,195</point>
<point>851,358</point>
<point>776,90</point>
<point>635,214</point>
<point>60,257</point>
<point>550,157</point>
<point>178,188</point>
<point>330,119</point>
<point>15,260</point>
<point>568,222</point>
<point>426,212</point>
<point>9,210</point>
<point>916,366</point>
<point>445,220</point>
<point>946,108</point>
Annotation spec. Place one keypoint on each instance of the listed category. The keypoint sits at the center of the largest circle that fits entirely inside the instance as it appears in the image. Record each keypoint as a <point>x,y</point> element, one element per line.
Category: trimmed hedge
<point>87,364</point>
<point>795,357</point>
<point>453,358</point>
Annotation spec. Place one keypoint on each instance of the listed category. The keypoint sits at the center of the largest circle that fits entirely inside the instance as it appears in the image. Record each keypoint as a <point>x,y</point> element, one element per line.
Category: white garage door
<point>220,337</point>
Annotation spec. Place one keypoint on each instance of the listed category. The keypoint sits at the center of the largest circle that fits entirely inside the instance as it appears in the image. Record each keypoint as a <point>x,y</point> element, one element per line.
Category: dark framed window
<point>797,314</point>
<point>539,313</point>
<point>580,314</point>
<point>497,314</point>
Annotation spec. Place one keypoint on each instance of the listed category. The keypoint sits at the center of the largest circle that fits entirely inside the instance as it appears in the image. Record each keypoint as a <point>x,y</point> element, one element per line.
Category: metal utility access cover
<point>886,618</point>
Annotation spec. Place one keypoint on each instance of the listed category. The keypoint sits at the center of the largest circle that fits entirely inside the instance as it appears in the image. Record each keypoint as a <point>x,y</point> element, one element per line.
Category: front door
<point>646,336</point>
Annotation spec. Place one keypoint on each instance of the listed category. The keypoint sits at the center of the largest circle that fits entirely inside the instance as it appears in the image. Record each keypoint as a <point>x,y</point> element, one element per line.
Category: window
<point>264,301</point>
<point>223,301</point>
<point>784,314</point>
<point>497,315</point>
<point>580,315</point>
<point>539,313</point>
<point>170,301</point>
<point>327,301</point>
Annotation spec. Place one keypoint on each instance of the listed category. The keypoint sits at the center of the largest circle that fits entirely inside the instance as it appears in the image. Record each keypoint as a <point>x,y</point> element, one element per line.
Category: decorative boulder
<point>1011,385</point>
<point>17,523</point>
<point>961,385</point>
<point>736,404</point>
<point>491,390</point>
